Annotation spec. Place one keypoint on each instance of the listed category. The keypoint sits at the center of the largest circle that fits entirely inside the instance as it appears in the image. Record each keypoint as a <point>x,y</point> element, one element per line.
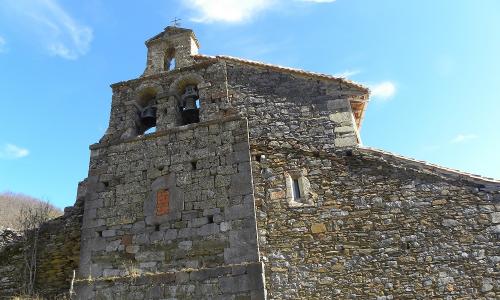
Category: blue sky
<point>433,67</point>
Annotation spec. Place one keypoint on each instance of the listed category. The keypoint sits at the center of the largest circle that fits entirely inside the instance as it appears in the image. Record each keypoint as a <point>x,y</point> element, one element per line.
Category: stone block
<point>150,256</point>
<point>238,212</point>
<point>348,141</point>
<point>132,249</point>
<point>341,118</point>
<point>185,245</point>
<point>337,104</point>
<point>170,234</point>
<point>197,222</point>
<point>187,232</point>
<point>439,202</point>
<point>235,284</point>
<point>450,223</point>
<point>156,236</point>
<point>211,211</point>
<point>108,233</point>
<point>225,226</point>
<point>318,228</point>
<point>111,272</point>
<point>344,129</point>
<point>209,229</point>
<point>495,217</point>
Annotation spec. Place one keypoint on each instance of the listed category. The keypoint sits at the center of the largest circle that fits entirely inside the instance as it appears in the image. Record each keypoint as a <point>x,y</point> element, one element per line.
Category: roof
<point>488,183</point>
<point>358,104</point>
<point>171,31</point>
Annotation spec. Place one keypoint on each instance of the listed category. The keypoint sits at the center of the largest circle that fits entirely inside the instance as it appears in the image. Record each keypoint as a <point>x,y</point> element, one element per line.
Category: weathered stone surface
<point>58,255</point>
<point>379,229</point>
<point>318,228</point>
<point>191,210</point>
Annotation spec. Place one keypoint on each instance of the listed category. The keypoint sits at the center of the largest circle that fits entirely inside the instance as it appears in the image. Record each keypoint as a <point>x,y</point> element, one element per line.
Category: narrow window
<point>296,189</point>
<point>169,60</point>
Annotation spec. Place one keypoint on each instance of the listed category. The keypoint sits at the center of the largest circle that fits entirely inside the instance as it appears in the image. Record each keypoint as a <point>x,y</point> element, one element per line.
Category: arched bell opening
<point>147,110</point>
<point>169,59</point>
<point>189,106</point>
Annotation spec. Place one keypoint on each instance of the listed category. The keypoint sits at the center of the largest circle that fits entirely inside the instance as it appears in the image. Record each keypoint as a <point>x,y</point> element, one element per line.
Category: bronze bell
<point>190,92</point>
<point>148,115</point>
<point>189,97</point>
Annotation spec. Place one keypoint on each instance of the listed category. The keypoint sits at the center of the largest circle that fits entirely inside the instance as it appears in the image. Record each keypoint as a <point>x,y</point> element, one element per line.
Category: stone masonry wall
<point>293,111</point>
<point>58,255</point>
<point>209,223</point>
<point>376,230</point>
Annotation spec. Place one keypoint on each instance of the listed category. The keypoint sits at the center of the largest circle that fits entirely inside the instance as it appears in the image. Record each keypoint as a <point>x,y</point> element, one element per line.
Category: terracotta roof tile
<point>432,168</point>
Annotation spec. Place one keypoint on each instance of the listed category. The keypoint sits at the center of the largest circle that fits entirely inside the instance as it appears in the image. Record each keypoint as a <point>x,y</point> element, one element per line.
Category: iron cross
<point>175,22</point>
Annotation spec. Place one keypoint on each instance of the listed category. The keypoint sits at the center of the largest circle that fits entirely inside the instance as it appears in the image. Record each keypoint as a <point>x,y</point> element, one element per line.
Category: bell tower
<point>169,203</point>
<point>170,49</point>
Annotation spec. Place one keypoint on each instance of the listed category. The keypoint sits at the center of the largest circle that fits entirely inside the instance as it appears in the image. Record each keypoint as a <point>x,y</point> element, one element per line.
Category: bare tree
<point>30,220</point>
<point>12,203</point>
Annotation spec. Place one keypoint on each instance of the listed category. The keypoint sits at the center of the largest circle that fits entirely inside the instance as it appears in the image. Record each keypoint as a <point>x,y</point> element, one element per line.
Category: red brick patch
<point>162,201</point>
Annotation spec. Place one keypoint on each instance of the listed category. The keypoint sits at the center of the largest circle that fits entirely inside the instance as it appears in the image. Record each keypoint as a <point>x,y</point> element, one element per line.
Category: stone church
<point>224,178</point>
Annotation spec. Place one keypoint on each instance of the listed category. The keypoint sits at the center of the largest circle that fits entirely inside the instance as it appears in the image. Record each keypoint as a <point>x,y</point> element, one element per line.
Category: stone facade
<point>378,229</point>
<point>231,179</point>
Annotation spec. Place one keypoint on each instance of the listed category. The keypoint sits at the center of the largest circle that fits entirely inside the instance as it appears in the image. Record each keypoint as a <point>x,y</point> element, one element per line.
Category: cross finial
<point>175,22</point>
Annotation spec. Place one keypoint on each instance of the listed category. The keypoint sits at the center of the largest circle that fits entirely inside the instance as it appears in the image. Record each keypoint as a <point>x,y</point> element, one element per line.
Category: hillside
<point>11,205</point>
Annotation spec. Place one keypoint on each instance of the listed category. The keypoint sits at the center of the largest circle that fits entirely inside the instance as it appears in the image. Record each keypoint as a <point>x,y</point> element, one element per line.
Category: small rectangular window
<point>296,188</point>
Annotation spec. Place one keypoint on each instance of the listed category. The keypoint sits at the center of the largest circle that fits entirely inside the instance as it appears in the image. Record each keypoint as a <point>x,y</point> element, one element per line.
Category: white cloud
<point>461,138</point>
<point>383,91</point>
<point>319,1</point>
<point>233,11</point>
<point>63,36</point>
<point>11,151</point>
<point>227,10</point>
<point>2,44</point>
<point>347,73</point>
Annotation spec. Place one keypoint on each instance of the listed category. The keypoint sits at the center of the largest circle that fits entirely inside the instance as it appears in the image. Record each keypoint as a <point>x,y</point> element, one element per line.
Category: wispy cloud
<point>62,35</point>
<point>3,42</point>
<point>11,151</point>
<point>383,91</point>
<point>319,1</point>
<point>208,11</point>
<point>347,73</point>
<point>462,138</point>
<point>233,11</point>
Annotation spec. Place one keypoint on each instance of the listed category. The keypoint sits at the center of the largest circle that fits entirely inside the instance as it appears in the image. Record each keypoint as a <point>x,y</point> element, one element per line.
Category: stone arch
<point>145,102</point>
<point>144,92</point>
<point>180,83</point>
<point>185,90</point>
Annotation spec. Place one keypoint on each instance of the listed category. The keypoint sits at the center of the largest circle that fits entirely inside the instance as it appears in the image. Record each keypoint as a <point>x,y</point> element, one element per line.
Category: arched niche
<point>146,104</point>
<point>185,90</point>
